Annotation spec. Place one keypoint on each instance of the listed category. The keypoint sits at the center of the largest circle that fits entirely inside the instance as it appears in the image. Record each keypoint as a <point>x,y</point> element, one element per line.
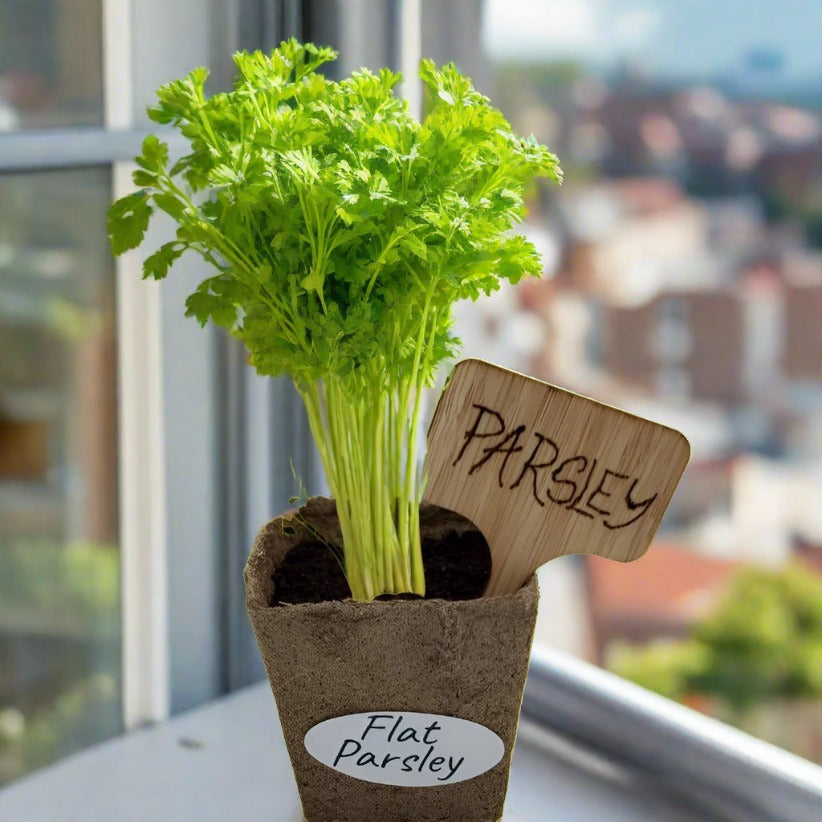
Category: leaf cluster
<point>330,215</point>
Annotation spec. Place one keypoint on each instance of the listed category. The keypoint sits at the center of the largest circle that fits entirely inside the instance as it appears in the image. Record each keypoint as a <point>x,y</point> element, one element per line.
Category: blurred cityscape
<point>683,282</point>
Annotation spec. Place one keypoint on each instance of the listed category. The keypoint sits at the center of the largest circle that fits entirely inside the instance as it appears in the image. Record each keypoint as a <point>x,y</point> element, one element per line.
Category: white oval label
<point>405,748</point>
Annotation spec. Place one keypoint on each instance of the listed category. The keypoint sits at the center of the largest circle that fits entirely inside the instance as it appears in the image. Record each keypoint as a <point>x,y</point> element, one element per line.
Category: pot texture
<point>465,659</point>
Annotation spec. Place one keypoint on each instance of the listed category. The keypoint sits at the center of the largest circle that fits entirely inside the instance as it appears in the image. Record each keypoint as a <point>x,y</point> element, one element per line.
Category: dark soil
<point>456,567</point>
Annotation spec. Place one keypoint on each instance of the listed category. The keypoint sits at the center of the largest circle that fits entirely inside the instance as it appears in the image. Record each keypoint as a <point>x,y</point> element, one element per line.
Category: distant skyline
<point>677,38</point>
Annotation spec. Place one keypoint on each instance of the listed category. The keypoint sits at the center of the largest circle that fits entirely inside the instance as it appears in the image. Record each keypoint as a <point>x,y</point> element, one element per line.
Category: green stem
<point>360,431</point>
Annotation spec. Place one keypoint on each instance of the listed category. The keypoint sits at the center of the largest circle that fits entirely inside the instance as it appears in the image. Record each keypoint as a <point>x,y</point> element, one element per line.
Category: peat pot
<point>437,686</point>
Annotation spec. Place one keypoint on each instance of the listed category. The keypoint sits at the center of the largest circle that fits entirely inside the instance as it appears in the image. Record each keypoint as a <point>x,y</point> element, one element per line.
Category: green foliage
<point>65,597</point>
<point>342,230</point>
<point>763,642</point>
<point>665,667</point>
<point>785,203</point>
<point>77,581</point>
<point>74,713</point>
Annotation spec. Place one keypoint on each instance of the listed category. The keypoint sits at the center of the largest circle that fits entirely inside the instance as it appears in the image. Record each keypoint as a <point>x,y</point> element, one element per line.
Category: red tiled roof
<point>647,195</point>
<point>810,554</point>
<point>670,584</point>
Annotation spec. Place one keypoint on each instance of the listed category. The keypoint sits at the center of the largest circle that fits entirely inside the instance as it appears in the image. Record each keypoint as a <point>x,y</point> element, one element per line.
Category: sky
<point>689,38</point>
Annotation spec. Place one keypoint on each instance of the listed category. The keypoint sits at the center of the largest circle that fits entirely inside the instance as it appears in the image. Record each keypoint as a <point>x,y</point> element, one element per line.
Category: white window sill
<point>227,760</point>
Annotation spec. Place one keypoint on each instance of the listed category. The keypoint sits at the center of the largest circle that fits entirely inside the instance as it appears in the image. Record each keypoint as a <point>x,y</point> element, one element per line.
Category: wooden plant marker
<point>545,472</point>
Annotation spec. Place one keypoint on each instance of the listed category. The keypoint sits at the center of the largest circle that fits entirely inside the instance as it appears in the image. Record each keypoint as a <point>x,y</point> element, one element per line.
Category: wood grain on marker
<point>545,472</point>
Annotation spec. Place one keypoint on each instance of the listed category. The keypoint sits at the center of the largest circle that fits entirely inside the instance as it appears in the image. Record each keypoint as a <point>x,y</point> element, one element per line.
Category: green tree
<point>762,642</point>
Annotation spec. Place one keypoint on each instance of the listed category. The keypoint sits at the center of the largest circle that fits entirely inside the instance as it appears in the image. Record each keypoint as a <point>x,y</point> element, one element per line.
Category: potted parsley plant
<point>339,231</point>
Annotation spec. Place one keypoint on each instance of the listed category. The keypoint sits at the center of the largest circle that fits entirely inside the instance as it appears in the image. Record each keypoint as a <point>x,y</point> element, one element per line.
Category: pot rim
<point>374,606</point>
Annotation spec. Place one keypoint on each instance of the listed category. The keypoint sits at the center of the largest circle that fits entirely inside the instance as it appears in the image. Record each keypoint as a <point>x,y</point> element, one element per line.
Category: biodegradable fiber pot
<point>392,659</point>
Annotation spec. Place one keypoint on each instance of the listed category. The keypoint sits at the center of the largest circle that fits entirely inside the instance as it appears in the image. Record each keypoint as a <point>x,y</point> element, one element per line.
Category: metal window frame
<point>723,773</point>
<point>60,148</point>
<point>706,766</point>
<point>143,548</point>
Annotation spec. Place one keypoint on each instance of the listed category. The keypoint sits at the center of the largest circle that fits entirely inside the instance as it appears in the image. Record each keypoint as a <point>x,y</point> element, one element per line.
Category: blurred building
<point>625,238</point>
<point>688,343</point>
<point>802,352</point>
<point>775,506</point>
<point>661,597</point>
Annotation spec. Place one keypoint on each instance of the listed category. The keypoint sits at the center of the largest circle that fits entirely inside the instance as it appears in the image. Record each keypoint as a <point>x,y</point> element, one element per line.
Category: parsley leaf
<point>128,220</point>
<point>156,265</point>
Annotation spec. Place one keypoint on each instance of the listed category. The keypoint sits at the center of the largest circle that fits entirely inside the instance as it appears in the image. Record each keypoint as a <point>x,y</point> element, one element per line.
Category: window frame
<point>174,654</point>
<point>706,765</point>
<point>141,509</point>
<point>181,517</point>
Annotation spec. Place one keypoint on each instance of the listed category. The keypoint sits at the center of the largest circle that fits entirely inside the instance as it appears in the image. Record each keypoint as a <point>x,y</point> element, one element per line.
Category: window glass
<point>50,63</point>
<point>683,282</point>
<point>59,560</point>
